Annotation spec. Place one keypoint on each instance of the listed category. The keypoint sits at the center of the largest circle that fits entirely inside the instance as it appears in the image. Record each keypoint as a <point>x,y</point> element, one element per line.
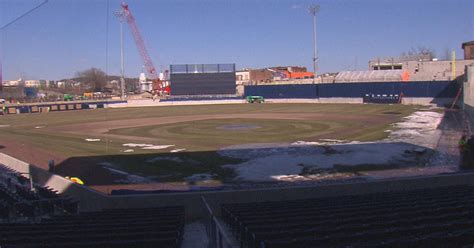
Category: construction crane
<point>159,87</point>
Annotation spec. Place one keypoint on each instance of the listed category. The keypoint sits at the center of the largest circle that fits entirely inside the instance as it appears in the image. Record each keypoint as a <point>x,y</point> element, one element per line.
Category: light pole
<point>121,15</point>
<point>313,10</point>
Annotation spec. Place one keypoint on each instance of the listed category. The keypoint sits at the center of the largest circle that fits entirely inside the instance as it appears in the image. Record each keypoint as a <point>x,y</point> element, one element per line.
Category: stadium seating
<point>19,202</point>
<point>43,218</point>
<point>438,217</point>
<point>150,227</point>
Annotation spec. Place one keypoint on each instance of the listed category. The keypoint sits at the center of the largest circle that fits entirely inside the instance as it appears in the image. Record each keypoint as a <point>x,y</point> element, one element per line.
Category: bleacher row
<point>150,227</point>
<point>43,218</point>
<point>19,202</point>
<point>438,217</point>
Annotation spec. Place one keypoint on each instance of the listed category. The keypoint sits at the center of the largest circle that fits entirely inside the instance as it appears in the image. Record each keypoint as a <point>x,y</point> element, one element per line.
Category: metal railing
<point>216,233</point>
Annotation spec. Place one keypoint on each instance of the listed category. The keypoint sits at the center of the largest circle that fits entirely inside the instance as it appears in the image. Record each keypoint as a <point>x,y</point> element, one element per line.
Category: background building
<point>468,48</point>
<point>253,76</point>
<point>292,72</point>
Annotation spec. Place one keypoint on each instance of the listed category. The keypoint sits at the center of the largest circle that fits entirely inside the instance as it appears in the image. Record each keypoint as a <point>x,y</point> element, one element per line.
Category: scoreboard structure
<point>202,79</point>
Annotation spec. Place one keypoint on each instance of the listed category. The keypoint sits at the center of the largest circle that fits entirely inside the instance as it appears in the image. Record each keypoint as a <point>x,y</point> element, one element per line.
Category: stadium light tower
<point>121,16</point>
<point>313,10</point>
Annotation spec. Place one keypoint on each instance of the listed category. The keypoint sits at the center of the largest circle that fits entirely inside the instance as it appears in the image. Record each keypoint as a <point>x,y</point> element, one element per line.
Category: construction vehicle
<point>68,97</point>
<point>88,95</point>
<point>159,87</point>
<point>255,99</point>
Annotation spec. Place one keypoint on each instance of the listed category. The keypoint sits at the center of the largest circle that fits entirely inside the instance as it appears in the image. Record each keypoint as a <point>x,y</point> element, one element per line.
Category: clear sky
<point>66,36</point>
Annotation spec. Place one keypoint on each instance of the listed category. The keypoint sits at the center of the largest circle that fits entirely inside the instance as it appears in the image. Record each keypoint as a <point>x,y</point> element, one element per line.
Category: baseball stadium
<point>215,155</point>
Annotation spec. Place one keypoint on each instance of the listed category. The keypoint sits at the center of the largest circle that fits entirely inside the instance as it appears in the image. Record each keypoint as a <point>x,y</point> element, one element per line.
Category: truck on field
<point>255,99</point>
<point>68,97</point>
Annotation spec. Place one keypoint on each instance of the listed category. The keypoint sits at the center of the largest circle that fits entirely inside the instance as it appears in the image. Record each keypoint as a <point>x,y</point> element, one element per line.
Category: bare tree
<point>94,78</point>
<point>447,54</point>
<point>420,52</point>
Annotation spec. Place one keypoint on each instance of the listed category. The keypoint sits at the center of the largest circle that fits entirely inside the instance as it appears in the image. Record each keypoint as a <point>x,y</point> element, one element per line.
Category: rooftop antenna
<point>313,10</point>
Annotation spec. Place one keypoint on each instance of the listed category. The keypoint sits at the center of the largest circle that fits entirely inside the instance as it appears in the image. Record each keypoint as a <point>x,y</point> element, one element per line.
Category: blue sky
<point>66,36</point>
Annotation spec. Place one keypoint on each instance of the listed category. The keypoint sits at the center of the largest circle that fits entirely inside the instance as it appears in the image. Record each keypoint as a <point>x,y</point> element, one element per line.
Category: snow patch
<point>92,140</point>
<point>277,165</point>
<point>335,140</point>
<point>116,171</point>
<point>178,150</point>
<point>200,177</point>
<point>159,147</point>
<point>128,150</point>
<point>129,178</point>
<point>174,159</point>
<point>4,126</point>
<point>147,146</point>
<point>136,145</point>
<point>328,142</point>
<point>420,128</point>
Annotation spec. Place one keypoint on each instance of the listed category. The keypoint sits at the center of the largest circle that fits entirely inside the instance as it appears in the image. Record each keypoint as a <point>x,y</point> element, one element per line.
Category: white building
<point>13,83</point>
<point>144,84</point>
<point>32,83</point>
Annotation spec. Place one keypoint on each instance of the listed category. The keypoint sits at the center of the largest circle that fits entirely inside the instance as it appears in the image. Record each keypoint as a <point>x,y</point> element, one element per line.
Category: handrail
<point>215,231</point>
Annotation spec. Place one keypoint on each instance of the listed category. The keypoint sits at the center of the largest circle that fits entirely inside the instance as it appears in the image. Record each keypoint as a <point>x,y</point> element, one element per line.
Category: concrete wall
<point>468,95</point>
<point>468,84</point>
<point>91,200</point>
<point>435,70</point>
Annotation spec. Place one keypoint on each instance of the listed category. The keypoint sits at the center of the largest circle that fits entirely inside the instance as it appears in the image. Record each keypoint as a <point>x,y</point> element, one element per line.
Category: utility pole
<point>453,65</point>
<point>313,10</point>
<point>121,15</point>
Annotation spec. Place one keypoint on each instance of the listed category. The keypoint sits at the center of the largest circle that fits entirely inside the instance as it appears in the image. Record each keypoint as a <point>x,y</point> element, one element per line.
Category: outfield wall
<point>91,200</point>
<point>439,92</point>
<point>44,107</point>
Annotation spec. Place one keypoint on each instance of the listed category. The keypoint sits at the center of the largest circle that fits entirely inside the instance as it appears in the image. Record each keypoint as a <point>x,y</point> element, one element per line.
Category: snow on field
<point>420,128</point>
<point>291,160</point>
<point>174,159</point>
<point>200,177</point>
<point>157,147</point>
<point>178,160</point>
<point>147,146</point>
<point>129,178</point>
<point>136,145</point>
<point>4,126</point>
<point>92,140</point>
<point>326,142</point>
<point>410,140</point>
<point>178,150</point>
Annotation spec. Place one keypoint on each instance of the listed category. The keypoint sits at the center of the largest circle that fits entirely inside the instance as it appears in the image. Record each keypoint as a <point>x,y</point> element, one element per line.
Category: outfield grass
<point>200,138</point>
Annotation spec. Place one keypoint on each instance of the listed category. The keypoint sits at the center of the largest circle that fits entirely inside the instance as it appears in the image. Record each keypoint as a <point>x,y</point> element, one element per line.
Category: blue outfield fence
<point>432,89</point>
<point>301,91</point>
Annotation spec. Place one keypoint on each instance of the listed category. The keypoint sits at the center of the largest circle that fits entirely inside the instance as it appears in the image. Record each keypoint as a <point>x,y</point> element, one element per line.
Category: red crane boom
<point>158,87</point>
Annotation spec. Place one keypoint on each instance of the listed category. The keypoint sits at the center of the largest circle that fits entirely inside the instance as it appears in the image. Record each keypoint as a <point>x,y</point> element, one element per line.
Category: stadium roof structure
<point>369,76</point>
